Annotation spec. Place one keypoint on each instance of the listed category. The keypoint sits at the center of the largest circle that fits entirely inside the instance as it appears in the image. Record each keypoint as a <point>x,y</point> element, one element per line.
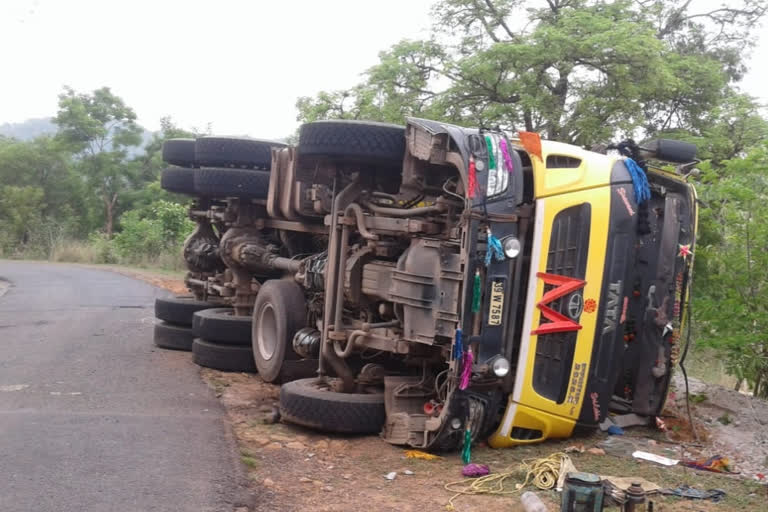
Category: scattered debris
<point>474,470</point>
<point>654,458</point>
<point>582,488</point>
<point>391,475</point>
<point>408,472</point>
<point>418,454</point>
<point>543,473</point>
<point>716,464</point>
<point>532,503</point>
<point>615,430</point>
<point>618,446</point>
<point>685,491</point>
<point>596,451</point>
<point>578,448</point>
<point>616,487</point>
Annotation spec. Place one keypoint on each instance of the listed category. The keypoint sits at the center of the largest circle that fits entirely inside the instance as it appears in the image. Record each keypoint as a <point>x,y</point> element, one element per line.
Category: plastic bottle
<point>532,503</point>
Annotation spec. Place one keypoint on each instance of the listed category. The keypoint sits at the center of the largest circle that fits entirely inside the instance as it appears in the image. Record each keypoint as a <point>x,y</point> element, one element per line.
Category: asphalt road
<point>93,417</point>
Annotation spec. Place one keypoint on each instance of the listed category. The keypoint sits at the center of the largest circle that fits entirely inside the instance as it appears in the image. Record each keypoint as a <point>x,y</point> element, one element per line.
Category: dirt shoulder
<point>299,469</point>
<point>169,280</point>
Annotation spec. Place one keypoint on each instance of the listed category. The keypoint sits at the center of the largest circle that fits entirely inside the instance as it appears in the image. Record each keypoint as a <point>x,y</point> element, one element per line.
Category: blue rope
<point>639,181</point>
<point>494,249</point>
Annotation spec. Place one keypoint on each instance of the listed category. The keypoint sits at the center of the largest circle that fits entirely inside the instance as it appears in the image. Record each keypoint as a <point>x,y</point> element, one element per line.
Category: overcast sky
<point>238,64</point>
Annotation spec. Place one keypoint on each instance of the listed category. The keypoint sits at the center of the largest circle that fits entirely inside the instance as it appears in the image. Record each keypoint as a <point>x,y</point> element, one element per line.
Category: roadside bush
<point>150,232</point>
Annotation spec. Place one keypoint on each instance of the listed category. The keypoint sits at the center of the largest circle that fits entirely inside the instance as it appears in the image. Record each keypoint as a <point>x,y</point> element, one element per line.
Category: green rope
<point>491,153</point>
<point>466,452</point>
<point>476,293</point>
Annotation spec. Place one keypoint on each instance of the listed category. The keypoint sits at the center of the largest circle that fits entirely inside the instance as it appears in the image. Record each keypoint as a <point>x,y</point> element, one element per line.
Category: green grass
<point>248,459</point>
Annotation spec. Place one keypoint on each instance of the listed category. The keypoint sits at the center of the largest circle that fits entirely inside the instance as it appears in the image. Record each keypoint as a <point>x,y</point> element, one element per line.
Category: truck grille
<point>567,256</point>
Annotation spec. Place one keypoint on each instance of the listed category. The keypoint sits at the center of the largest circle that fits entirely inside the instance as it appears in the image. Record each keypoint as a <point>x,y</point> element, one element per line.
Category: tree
<point>100,127</point>
<point>149,165</point>
<point>20,209</point>
<point>45,163</point>
<point>574,70</point>
<point>731,310</point>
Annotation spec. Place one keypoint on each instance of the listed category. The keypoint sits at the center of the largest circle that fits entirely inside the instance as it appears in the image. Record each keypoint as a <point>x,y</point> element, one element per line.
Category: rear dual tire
<point>173,337</point>
<point>179,310</point>
<point>219,356</point>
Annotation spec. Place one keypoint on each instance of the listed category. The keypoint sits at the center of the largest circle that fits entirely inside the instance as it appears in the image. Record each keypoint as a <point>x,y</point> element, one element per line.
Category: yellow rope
<point>543,473</point>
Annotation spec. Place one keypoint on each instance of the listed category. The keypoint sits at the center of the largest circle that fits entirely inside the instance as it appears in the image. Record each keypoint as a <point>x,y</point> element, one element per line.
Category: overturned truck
<point>434,280</point>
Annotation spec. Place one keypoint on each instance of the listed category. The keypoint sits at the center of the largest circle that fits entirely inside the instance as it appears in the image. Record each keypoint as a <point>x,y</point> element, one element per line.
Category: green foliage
<point>152,230</point>
<point>578,71</point>
<point>98,127</point>
<point>20,209</point>
<point>731,302</point>
<point>57,191</point>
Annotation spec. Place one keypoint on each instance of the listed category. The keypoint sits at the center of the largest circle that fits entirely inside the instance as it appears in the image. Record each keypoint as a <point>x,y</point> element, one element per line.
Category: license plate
<point>496,310</point>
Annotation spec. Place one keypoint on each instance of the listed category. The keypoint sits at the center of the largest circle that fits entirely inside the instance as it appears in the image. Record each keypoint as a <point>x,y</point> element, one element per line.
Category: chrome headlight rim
<point>500,366</point>
<point>511,246</point>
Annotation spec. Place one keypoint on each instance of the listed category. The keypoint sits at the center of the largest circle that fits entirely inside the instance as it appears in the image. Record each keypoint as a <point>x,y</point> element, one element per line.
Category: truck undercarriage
<point>397,263</point>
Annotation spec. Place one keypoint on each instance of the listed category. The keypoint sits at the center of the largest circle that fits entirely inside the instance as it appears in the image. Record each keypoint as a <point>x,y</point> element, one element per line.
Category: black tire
<point>178,180</point>
<point>179,152</point>
<point>355,140</point>
<point>220,325</point>
<point>173,337</point>
<point>279,311</point>
<point>306,403</point>
<point>220,183</point>
<point>674,151</point>
<point>219,356</point>
<point>235,152</point>
<point>179,310</point>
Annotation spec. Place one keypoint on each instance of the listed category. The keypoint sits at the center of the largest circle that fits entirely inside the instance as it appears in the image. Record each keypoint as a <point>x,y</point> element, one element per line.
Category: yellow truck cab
<point>606,288</point>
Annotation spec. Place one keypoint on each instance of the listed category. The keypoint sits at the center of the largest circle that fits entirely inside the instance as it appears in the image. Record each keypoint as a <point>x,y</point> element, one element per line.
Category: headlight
<point>511,246</point>
<point>500,367</point>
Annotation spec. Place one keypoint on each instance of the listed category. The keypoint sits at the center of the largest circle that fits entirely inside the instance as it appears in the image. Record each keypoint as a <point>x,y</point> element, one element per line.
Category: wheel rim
<point>267,332</point>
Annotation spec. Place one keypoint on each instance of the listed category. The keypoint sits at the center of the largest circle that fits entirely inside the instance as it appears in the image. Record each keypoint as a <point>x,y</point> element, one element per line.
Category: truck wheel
<point>280,310</point>
<point>235,152</point>
<point>219,182</point>
<point>356,140</point>
<point>219,356</point>
<point>222,326</point>
<point>179,310</point>
<point>311,403</point>
<point>179,152</point>
<point>179,180</point>
<point>173,337</point>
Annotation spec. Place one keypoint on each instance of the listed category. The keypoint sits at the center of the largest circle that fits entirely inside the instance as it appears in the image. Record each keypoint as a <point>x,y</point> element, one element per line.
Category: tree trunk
<point>110,214</point>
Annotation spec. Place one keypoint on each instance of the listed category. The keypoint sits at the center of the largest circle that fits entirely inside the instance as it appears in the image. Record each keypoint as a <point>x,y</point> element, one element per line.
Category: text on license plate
<point>496,309</point>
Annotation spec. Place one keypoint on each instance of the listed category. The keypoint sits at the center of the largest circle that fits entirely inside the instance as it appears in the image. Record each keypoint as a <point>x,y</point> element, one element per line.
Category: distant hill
<point>31,128</point>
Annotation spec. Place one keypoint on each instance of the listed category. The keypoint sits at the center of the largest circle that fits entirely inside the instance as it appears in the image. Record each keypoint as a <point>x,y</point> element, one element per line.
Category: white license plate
<point>496,310</point>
